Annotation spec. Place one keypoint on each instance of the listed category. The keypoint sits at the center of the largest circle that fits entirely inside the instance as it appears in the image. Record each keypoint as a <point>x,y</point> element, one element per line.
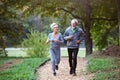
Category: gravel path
<point>45,71</point>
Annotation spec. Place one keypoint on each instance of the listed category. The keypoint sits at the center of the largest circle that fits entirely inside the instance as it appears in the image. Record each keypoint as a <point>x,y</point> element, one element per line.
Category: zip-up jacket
<point>77,34</point>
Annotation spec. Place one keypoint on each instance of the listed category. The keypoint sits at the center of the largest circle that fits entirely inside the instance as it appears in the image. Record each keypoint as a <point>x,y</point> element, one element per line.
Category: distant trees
<point>97,17</point>
<point>91,13</point>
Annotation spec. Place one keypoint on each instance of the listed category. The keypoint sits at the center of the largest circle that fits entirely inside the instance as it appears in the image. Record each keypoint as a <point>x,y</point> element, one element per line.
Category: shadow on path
<point>45,71</point>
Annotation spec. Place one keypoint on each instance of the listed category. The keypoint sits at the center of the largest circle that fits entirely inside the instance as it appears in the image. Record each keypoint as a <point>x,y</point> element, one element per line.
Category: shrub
<point>35,44</point>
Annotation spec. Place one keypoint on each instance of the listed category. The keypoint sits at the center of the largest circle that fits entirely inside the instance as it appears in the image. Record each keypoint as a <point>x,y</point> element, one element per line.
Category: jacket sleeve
<point>66,35</point>
<point>82,35</point>
<point>61,38</point>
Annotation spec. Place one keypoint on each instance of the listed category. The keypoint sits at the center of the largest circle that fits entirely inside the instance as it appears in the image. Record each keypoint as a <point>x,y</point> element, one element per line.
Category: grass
<point>2,61</point>
<point>81,52</point>
<point>107,76</point>
<point>20,53</point>
<point>104,68</point>
<point>25,70</point>
<point>100,64</point>
<point>22,71</point>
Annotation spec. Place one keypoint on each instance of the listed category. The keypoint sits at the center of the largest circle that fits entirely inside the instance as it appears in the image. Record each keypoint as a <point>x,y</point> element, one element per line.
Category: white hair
<point>74,20</point>
<point>53,25</point>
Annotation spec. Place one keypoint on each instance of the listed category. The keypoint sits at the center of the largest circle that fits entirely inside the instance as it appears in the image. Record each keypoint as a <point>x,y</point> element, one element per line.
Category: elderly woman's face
<point>73,24</point>
<point>56,29</point>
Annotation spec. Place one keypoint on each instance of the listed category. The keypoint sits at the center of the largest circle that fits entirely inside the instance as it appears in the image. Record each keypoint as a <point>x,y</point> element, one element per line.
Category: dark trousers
<point>72,53</point>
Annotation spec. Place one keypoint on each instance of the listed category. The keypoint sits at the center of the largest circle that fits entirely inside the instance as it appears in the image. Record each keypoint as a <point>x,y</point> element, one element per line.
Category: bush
<point>35,44</point>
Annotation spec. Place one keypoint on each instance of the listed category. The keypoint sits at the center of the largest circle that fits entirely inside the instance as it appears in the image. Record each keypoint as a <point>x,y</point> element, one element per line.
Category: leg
<point>52,56</point>
<point>57,57</point>
<point>70,51</point>
<point>75,59</point>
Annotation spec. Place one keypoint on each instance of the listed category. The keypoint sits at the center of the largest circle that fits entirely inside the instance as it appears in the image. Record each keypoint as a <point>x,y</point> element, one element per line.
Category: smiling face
<point>56,29</point>
<point>74,23</point>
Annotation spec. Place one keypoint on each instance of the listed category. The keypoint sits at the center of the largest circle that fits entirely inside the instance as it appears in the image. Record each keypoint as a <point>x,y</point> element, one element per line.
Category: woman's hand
<point>57,41</point>
<point>47,41</point>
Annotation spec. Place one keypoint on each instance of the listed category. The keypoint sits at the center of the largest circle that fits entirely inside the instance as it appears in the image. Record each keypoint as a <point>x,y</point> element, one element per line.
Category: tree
<point>118,10</point>
<point>89,12</point>
<point>11,20</point>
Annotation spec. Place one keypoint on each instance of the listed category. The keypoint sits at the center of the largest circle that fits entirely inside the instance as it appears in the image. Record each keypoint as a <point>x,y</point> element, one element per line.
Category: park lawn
<point>81,52</point>
<point>104,68</point>
<point>25,70</point>
<point>20,53</point>
<point>2,61</point>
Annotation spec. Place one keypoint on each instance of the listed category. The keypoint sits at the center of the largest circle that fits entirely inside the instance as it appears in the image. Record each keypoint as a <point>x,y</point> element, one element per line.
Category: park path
<point>45,72</point>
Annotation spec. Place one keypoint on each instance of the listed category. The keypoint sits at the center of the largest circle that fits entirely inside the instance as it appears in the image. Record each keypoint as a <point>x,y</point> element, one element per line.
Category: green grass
<point>81,52</point>
<point>5,59</point>
<point>107,76</point>
<point>99,64</point>
<point>22,71</point>
<point>20,53</point>
<point>16,53</point>
<point>104,68</point>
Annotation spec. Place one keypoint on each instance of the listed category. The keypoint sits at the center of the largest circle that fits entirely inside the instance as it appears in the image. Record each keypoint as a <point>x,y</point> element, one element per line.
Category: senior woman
<point>55,39</point>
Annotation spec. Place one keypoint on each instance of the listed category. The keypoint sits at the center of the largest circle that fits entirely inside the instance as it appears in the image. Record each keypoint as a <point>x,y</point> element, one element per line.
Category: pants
<point>72,53</point>
<point>55,57</point>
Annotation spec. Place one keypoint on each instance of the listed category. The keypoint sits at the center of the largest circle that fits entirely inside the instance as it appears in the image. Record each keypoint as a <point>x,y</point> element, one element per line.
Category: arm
<point>48,39</point>
<point>82,35</point>
<point>66,35</point>
<point>61,39</point>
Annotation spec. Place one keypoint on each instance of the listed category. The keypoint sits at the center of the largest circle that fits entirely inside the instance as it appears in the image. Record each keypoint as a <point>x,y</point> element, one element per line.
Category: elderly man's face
<point>73,24</point>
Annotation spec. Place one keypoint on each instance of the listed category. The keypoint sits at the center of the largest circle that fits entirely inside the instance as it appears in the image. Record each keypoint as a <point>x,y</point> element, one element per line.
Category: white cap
<point>74,20</point>
<point>53,25</point>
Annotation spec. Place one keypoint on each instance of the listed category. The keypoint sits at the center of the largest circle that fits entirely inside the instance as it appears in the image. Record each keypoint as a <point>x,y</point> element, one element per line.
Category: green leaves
<point>35,44</point>
<point>103,32</point>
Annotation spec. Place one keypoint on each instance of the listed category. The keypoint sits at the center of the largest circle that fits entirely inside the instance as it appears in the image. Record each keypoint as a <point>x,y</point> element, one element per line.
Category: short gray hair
<point>74,20</point>
<point>53,25</point>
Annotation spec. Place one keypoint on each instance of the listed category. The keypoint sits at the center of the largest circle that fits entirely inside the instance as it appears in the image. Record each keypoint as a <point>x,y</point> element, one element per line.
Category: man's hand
<point>71,37</point>
<point>78,41</point>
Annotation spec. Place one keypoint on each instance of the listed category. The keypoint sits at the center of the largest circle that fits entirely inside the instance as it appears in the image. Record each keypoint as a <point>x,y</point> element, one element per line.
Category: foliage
<point>104,33</point>
<point>100,64</point>
<point>24,70</point>
<point>4,60</point>
<point>35,44</point>
<point>12,15</point>
<point>106,76</point>
<point>104,68</point>
<point>14,12</point>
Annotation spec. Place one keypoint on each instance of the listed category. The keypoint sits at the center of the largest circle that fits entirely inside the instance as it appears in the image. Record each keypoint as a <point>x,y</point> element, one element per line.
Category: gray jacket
<point>77,35</point>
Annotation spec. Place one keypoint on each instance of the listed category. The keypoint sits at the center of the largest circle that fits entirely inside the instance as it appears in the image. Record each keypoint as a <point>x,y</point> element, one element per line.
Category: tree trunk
<point>88,40</point>
<point>118,9</point>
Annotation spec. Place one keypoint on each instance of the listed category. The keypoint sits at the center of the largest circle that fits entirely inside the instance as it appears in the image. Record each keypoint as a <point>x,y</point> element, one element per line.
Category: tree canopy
<point>97,17</point>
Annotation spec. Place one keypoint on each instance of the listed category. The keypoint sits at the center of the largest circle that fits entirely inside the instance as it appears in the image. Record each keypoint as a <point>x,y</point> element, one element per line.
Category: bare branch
<point>83,18</point>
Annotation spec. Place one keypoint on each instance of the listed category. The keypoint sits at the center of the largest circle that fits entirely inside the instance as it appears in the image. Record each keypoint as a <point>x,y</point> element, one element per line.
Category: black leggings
<point>72,53</point>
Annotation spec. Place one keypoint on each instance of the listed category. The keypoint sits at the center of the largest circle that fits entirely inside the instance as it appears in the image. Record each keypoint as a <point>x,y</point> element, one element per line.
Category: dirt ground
<point>45,71</point>
<point>112,51</point>
<point>9,64</point>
